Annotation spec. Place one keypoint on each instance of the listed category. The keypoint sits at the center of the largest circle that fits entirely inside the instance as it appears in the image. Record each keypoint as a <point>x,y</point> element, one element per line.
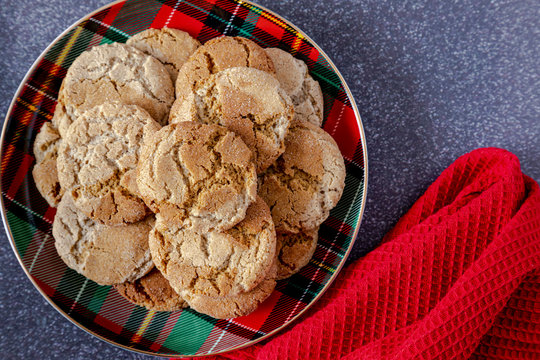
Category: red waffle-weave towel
<point>457,278</point>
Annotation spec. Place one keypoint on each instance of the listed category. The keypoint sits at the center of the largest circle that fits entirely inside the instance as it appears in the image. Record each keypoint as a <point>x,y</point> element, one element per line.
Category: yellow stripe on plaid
<point>298,37</point>
<point>321,265</point>
<point>33,109</point>
<point>147,319</point>
<point>68,46</point>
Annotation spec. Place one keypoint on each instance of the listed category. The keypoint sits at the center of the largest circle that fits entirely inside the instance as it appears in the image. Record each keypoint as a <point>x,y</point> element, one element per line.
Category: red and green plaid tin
<point>99,309</point>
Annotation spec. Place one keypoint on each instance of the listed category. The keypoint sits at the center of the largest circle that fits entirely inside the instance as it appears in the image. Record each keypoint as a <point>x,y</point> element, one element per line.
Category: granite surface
<point>432,79</point>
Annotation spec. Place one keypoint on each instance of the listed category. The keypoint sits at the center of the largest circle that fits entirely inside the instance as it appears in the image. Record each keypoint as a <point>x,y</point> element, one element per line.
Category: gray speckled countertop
<point>432,79</point>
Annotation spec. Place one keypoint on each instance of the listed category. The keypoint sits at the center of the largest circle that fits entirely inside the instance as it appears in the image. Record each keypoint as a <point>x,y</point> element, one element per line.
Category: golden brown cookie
<point>306,182</point>
<point>198,176</point>
<point>172,47</point>
<point>216,263</point>
<point>105,254</point>
<point>115,72</point>
<point>219,54</point>
<point>153,292</point>
<point>294,251</point>
<point>44,171</point>
<point>304,91</point>
<point>249,102</point>
<point>97,162</point>
<point>60,120</point>
<point>224,307</point>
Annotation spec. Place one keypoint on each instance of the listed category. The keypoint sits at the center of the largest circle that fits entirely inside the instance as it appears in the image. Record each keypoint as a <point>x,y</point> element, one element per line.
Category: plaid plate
<point>99,309</point>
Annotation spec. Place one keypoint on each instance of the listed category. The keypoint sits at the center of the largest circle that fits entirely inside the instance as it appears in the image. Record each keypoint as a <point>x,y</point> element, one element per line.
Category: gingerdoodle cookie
<point>97,162</point>
<point>216,263</point>
<point>105,254</point>
<point>172,47</point>
<point>61,120</point>
<point>294,251</point>
<point>115,73</point>
<point>153,292</point>
<point>217,55</point>
<point>249,102</point>
<point>44,171</point>
<point>306,182</point>
<point>224,307</point>
<point>305,92</point>
<point>198,176</point>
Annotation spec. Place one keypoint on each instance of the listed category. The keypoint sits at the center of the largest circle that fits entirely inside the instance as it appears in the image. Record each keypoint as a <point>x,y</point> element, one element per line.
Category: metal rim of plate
<point>248,343</point>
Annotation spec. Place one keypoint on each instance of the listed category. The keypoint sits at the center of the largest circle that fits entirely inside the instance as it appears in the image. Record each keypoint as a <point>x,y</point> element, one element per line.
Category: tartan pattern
<point>99,308</point>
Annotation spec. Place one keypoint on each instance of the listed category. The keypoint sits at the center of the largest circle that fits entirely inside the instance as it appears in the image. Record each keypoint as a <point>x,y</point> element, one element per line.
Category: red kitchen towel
<point>457,278</point>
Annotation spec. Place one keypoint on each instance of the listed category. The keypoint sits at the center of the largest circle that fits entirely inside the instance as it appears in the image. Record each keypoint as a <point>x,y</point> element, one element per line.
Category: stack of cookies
<point>188,175</point>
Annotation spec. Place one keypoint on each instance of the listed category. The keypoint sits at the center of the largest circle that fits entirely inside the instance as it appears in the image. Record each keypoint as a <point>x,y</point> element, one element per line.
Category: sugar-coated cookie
<point>249,102</point>
<point>44,172</point>
<point>97,162</point>
<point>306,182</point>
<point>105,254</point>
<point>172,47</point>
<point>305,92</point>
<point>217,55</point>
<point>115,72</point>
<point>216,263</point>
<point>198,176</point>
<point>224,307</point>
<point>153,292</point>
<point>294,251</point>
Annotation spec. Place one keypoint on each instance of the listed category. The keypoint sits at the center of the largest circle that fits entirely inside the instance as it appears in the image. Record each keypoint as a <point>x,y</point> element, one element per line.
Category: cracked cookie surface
<point>249,102</point>
<point>153,292</point>
<point>115,73</point>
<point>306,182</point>
<point>217,55</point>
<point>44,172</point>
<point>105,254</point>
<point>97,162</point>
<point>216,263</point>
<point>294,251</point>
<point>198,176</point>
<point>305,92</point>
<point>224,307</point>
<point>172,47</point>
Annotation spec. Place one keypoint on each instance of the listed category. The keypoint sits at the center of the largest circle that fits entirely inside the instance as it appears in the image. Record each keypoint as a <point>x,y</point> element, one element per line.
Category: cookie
<point>305,92</point>
<point>44,171</point>
<point>306,182</point>
<point>198,176</point>
<point>172,47</point>
<point>61,120</point>
<point>294,251</point>
<point>249,102</point>
<point>217,55</point>
<point>153,292</point>
<point>116,72</point>
<point>105,254</point>
<point>97,162</point>
<point>224,307</point>
<point>216,263</point>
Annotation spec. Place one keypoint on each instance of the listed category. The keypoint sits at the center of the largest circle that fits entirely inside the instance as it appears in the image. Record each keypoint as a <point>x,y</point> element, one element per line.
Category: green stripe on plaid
<point>98,298</point>
<point>22,232</point>
<point>189,333</point>
<point>100,308</point>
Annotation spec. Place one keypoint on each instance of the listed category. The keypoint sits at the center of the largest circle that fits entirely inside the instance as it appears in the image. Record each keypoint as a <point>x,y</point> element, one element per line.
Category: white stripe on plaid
<point>47,237</point>
<point>171,14</point>
<point>40,91</point>
<point>232,18</point>
<point>111,27</point>
<point>78,296</point>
